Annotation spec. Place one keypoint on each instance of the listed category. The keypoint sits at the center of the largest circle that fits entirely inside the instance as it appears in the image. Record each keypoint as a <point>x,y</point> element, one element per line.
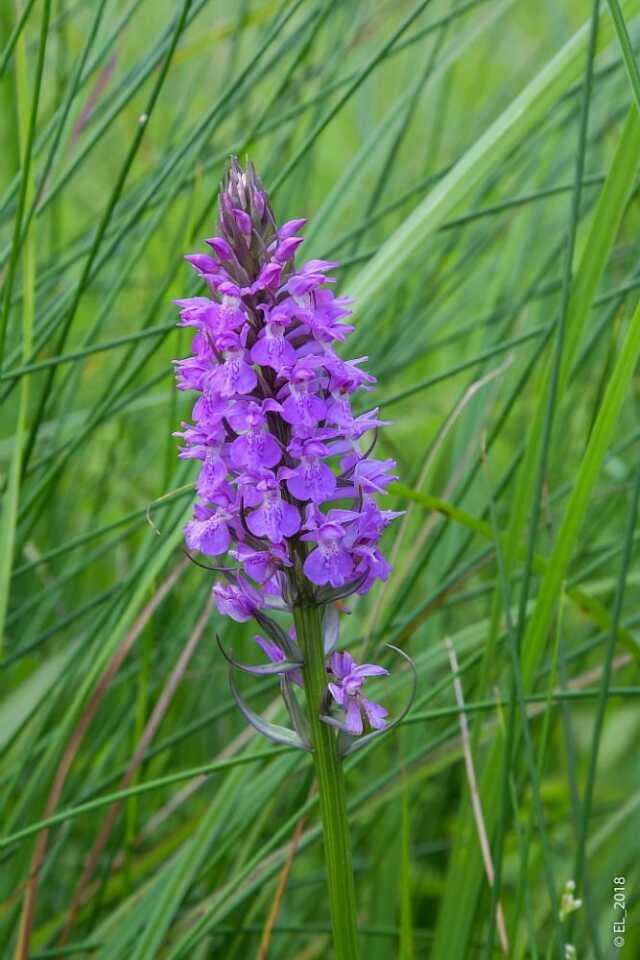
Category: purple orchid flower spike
<point>278,444</point>
<point>287,486</point>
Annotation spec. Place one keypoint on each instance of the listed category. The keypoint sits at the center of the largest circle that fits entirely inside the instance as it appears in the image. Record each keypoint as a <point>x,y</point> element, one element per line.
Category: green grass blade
<point>27,115</point>
<point>503,135</point>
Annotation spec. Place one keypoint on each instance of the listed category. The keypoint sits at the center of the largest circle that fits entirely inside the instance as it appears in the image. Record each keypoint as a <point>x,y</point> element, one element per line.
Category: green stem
<point>331,787</point>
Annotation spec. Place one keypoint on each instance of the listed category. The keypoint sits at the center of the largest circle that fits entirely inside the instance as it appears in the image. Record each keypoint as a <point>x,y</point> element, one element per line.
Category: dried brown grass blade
<point>40,850</point>
<point>161,707</point>
<point>265,942</point>
<point>475,795</point>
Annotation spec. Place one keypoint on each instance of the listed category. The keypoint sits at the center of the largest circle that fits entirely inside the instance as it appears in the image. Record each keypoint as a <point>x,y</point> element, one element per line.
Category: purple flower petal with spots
<point>233,375</point>
<point>312,480</point>
<point>275,519</point>
<point>255,449</point>
<point>328,564</point>
<point>239,600</point>
<point>272,350</point>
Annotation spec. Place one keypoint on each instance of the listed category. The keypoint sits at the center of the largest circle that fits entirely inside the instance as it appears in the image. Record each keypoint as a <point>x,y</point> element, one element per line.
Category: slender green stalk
<point>581,871</point>
<point>26,132</point>
<point>331,788</point>
<point>627,49</point>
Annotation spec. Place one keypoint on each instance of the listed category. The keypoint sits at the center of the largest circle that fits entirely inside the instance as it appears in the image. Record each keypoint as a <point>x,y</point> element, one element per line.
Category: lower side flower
<point>346,690</point>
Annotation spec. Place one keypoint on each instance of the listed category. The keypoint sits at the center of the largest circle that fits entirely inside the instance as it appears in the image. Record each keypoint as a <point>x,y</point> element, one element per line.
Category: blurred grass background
<point>474,167</point>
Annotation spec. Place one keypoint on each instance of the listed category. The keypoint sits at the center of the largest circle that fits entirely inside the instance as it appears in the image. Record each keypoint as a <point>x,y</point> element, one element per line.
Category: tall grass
<point>474,165</point>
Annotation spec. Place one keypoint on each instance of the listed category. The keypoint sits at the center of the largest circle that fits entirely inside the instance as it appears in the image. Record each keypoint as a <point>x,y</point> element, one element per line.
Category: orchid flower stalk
<point>286,490</point>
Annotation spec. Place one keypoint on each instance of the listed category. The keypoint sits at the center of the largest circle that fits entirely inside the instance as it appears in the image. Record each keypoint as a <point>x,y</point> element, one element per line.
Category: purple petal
<point>354,718</point>
<point>375,713</point>
<point>275,519</point>
<point>273,351</point>
<point>315,481</point>
<point>315,568</point>
<point>243,220</point>
<point>203,262</point>
<point>238,601</point>
<point>255,450</point>
<point>290,519</point>
<point>221,247</point>
<point>269,277</point>
<point>210,478</point>
<point>234,376</point>
<point>287,248</point>
<point>305,409</point>
<point>290,227</point>
<point>370,670</point>
<point>208,536</point>
<point>341,664</point>
<point>246,378</point>
<point>272,650</point>
<point>334,567</point>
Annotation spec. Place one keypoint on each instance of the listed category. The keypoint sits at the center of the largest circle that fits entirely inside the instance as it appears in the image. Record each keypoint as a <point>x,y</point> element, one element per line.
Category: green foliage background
<point>474,167</point>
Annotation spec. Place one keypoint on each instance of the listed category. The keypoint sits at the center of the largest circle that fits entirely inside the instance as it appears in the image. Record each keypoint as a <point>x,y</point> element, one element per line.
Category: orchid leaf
<point>330,594</point>
<point>273,629</point>
<point>272,731</point>
<point>261,669</point>
<point>296,713</point>
<point>227,572</point>
<point>331,628</point>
